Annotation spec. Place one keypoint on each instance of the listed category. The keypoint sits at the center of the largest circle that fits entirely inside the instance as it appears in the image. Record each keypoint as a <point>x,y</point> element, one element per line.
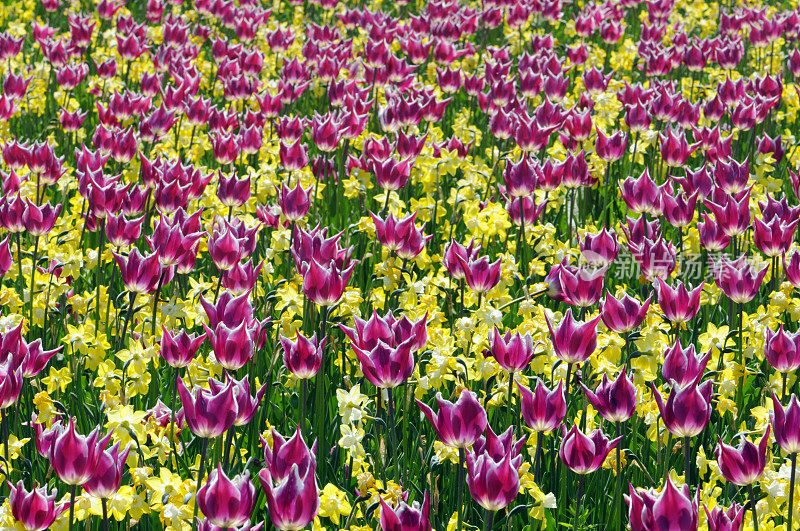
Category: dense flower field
<point>408,265</point>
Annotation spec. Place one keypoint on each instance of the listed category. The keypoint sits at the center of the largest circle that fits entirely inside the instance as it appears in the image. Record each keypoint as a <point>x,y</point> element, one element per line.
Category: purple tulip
<point>683,366</point>
<point>303,357</point>
<point>782,350</point>
<point>458,424</point>
<point>584,454</point>
<point>406,517</point>
<point>284,453</point>
<point>725,520</point>
<point>140,274</point>
<point>542,409</point>
<point>738,279</point>
<point>389,330</point>
<point>481,275</point>
<point>672,510</point>
<point>74,457</point>
<point>573,341</point>
<point>493,480</point>
<point>623,315</point>
<point>234,347</point>
<point>36,510</point>
<point>786,424</point>
<point>680,304</point>
<point>294,202</point>
<point>385,366</point>
<point>324,284</point>
<point>600,249</point>
<point>743,465</point>
<point>582,287</point>
<point>513,352</point>
<point>246,404</point>
<point>179,350</point>
<point>614,401</point>
<point>207,413</point>
<point>107,476</point>
<point>225,502</point>
<point>293,500</point>
<point>687,410</point>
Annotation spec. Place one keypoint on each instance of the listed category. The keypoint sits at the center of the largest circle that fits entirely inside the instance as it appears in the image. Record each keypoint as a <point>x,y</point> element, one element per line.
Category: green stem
<point>488,520</point>
<point>753,503</point>
<point>687,460</point>
<point>155,303</point>
<point>793,458</point>
<point>618,487</point>
<point>462,456</point>
<point>131,310</point>
<point>200,471</point>
<point>104,503</point>
<point>581,479</point>
<point>99,274</point>
<point>72,491</point>
<point>33,275</point>
<point>393,458</point>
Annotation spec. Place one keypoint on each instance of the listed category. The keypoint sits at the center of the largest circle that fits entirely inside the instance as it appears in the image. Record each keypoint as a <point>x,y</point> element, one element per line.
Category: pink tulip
<point>208,414</point>
<point>683,366</point>
<point>227,503</point>
<point>687,410</point>
<point>513,352</point>
<point>74,457</point>
<point>583,287</point>
<point>294,202</point>
<point>303,357</point>
<point>573,341</point>
<point>107,476</point>
<point>623,315</point>
<point>324,284</point>
<point>678,304</point>
<point>615,400</point>
<point>673,509</point>
<point>179,350</point>
<point>493,480</point>
<point>458,424</point>
<point>404,517</point>
<point>585,454</point>
<point>140,274</point>
<point>743,465</point>
<point>786,424</point>
<point>600,249</point>
<point>720,519</point>
<point>543,409</point>
<point>739,279</point>
<point>35,510</point>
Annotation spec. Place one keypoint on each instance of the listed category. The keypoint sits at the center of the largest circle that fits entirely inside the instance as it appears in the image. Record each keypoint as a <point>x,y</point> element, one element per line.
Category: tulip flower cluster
<point>430,265</point>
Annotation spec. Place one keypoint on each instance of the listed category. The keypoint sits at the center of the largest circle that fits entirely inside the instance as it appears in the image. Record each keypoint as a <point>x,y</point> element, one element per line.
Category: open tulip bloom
<point>410,266</point>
